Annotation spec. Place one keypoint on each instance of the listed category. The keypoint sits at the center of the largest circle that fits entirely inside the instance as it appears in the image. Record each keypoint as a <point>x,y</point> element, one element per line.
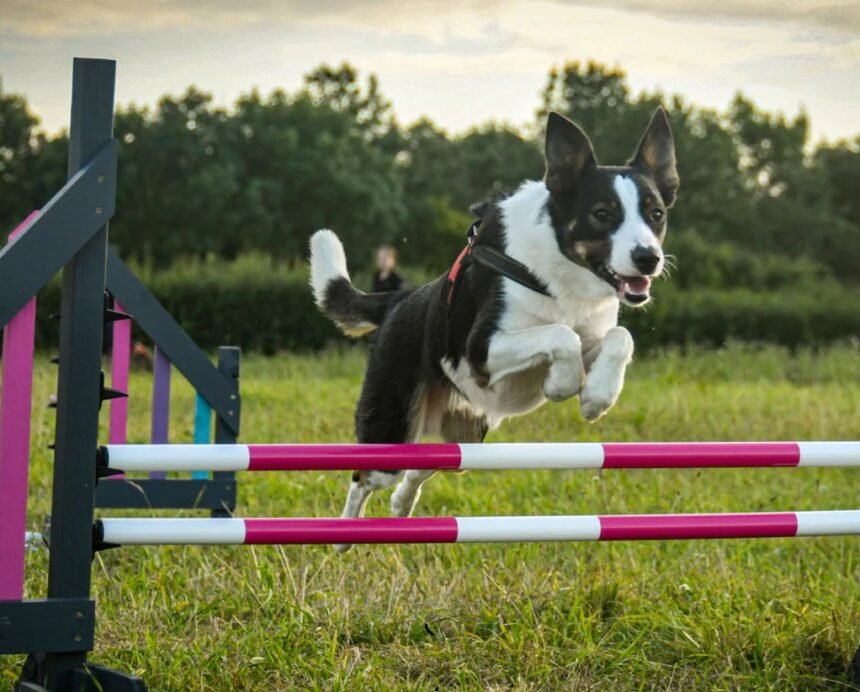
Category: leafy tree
<point>840,165</point>
<point>32,166</point>
<point>198,180</point>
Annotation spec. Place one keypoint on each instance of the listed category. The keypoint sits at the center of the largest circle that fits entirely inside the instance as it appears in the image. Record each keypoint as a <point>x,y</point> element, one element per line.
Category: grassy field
<point>770,614</point>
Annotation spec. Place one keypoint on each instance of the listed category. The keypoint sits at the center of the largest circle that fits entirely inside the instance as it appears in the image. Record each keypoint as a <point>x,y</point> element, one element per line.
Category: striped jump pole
<point>643,527</point>
<point>488,457</point>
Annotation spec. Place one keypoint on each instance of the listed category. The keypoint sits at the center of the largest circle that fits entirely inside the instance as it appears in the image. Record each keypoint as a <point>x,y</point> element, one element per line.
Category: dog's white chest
<point>513,395</point>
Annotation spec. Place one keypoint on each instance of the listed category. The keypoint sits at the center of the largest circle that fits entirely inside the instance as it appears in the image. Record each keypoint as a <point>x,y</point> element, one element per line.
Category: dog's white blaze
<point>632,232</point>
<point>511,529</point>
<point>328,262</point>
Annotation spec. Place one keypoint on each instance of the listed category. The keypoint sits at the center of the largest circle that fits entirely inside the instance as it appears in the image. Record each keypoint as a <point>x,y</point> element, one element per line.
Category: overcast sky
<point>460,63</point>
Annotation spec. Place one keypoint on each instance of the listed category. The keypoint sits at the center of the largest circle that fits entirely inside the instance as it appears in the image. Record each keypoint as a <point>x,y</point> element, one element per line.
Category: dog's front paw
<point>562,382</point>
<point>598,396</point>
<point>341,548</point>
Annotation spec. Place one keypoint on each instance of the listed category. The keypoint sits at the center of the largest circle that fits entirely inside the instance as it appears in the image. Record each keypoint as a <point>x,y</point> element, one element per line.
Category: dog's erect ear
<point>568,153</point>
<point>656,156</point>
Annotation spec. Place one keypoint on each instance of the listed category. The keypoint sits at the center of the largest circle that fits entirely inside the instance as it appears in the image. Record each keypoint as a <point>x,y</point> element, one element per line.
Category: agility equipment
<point>477,457</point>
<point>71,233</point>
<point>529,529</point>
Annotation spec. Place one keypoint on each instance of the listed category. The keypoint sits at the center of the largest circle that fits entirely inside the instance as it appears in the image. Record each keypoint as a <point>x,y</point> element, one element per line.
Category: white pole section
<point>527,529</point>
<point>138,458</point>
<point>829,453</point>
<point>133,531</point>
<point>525,455</point>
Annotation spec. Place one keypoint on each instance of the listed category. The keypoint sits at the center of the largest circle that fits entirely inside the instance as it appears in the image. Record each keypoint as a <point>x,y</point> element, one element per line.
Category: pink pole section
<point>380,457</point>
<point>322,531</point>
<point>650,455</point>
<point>120,362</point>
<point>657,527</point>
<point>15,402</point>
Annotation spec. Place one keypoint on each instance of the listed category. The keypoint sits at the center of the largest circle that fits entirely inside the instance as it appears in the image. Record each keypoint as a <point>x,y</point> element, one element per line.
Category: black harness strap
<point>509,267</point>
<point>494,260</point>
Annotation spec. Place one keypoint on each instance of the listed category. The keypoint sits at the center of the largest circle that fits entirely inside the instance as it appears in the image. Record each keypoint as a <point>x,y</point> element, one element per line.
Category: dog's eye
<point>656,215</point>
<point>601,215</point>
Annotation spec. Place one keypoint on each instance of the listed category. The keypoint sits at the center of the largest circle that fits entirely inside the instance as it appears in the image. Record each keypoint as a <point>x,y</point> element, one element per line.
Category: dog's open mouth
<point>633,290</point>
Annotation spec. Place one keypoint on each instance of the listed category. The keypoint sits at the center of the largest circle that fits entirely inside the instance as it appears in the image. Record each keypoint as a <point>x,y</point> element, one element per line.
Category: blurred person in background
<point>386,278</point>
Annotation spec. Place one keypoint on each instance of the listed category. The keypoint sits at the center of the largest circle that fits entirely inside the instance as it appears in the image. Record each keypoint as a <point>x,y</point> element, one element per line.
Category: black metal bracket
<point>111,313</point>
<point>99,543</point>
<point>106,392</point>
<point>103,469</point>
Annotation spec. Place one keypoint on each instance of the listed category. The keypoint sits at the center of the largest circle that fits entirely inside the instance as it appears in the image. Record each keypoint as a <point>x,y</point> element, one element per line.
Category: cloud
<point>424,17</point>
<point>841,15</point>
<point>528,37</point>
<point>460,61</point>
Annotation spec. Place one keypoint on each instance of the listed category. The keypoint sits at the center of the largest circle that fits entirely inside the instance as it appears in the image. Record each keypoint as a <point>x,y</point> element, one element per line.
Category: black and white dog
<point>537,319</point>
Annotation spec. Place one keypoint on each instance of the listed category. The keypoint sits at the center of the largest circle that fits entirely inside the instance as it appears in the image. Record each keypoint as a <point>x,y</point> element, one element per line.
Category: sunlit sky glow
<point>460,63</point>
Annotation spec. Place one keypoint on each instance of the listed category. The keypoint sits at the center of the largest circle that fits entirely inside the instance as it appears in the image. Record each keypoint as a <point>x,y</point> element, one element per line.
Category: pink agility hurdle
<point>132,531</point>
<point>488,457</point>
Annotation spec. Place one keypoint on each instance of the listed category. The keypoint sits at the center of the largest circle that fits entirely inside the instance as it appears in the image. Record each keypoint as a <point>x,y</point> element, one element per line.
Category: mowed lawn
<point>770,614</point>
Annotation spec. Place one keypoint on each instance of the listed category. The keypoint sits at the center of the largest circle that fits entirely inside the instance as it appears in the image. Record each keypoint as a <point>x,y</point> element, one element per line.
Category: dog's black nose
<point>645,259</point>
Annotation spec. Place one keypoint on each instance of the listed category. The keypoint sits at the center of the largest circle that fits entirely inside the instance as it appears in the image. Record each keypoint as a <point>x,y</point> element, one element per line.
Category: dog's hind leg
<point>362,487</point>
<point>398,424</point>
<point>406,494</point>
<point>459,425</point>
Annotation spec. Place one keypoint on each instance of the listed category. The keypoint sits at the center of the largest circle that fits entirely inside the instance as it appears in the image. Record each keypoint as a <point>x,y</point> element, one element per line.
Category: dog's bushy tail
<point>356,313</point>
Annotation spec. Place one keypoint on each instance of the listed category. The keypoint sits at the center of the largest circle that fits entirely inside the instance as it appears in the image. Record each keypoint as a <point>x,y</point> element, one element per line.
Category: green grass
<point>769,614</point>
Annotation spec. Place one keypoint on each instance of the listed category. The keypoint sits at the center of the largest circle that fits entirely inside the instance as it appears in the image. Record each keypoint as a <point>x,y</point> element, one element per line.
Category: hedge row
<point>263,307</point>
<point>794,317</point>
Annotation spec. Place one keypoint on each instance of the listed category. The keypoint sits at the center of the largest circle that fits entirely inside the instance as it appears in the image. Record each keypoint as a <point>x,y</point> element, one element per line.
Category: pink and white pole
<point>15,402</point>
<point>488,457</point>
<point>130,531</point>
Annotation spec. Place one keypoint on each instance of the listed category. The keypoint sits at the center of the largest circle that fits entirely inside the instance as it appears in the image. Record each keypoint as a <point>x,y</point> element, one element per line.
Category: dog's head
<point>612,219</point>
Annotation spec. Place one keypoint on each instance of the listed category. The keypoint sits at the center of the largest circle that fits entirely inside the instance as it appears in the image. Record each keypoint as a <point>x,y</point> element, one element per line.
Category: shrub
<point>264,306</point>
<point>705,264</point>
<point>791,317</point>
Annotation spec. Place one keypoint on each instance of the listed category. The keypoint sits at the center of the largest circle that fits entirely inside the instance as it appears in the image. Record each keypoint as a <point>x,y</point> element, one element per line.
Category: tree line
<point>203,181</point>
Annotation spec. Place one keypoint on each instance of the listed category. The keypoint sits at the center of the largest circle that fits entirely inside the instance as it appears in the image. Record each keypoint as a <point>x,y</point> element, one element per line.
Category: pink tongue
<point>637,284</point>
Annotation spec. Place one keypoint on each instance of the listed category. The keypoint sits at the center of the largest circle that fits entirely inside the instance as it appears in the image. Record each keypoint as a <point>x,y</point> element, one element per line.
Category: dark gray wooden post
<point>79,388</point>
<point>227,432</point>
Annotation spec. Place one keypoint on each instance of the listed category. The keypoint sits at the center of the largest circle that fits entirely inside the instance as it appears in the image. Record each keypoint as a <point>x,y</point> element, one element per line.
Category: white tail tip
<point>328,262</point>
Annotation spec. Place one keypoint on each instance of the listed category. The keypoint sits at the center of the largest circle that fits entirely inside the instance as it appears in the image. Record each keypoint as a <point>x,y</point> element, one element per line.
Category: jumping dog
<point>528,312</point>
